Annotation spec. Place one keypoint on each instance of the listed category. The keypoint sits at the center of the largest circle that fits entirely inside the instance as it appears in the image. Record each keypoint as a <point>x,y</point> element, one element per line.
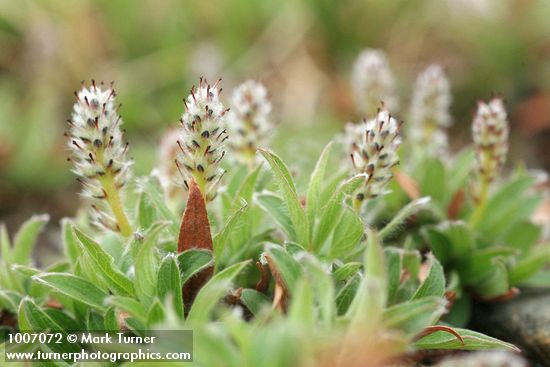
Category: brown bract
<point>407,184</point>
<point>195,233</point>
<point>453,210</point>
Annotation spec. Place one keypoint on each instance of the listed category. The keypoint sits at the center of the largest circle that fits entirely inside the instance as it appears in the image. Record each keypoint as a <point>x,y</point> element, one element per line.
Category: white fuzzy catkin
<point>97,146</point>
<point>374,152</point>
<point>490,134</point>
<point>430,110</point>
<point>373,81</point>
<point>249,120</point>
<point>202,138</point>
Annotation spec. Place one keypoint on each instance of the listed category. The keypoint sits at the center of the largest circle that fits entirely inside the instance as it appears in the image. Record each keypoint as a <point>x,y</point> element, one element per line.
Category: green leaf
<point>74,287</point>
<point>9,300</point>
<point>146,212</point>
<point>129,305</point>
<point>347,234</point>
<point>460,173</point>
<point>472,341</point>
<point>94,321</point>
<point>438,243</point>
<point>246,189</point>
<point>222,237</point>
<point>480,263</point>
<point>274,206</point>
<point>456,236</point>
<point>314,188</point>
<point>213,291</point>
<point>104,265</point>
<point>62,319</point>
<point>236,179</point>
<point>323,288</point>
<point>521,211</point>
<point>346,271</point>
<point>333,209</point>
<point>254,301</point>
<point>111,320</point>
<point>374,256</point>
<point>503,201</point>
<point>146,263</point>
<point>410,209</point>
<point>5,246</point>
<point>522,235</point>
<point>27,271</point>
<point>392,256</point>
<point>155,314</point>
<point>70,244</point>
<point>432,179</point>
<point>32,318</point>
<point>413,316</point>
<point>192,262</point>
<point>541,279</point>
<point>302,310</point>
<point>434,284</point>
<point>169,283</point>
<point>345,296</point>
<point>152,188</point>
<point>287,268</point>
<point>290,196</point>
<point>530,264</point>
<point>370,298</point>
<point>495,283</point>
<point>25,238</point>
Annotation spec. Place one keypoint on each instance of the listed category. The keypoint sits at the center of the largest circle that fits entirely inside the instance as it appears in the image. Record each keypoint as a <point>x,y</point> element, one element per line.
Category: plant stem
<point>201,183</point>
<point>357,205</point>
<point>481,203</point>
<point>113,199</point>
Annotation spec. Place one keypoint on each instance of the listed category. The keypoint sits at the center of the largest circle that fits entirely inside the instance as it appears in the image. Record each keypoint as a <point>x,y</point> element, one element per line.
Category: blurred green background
<point>302,50</point>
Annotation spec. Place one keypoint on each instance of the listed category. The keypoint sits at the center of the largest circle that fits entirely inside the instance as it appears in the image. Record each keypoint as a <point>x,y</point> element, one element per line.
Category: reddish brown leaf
<point>280,296</point>
<point>533,115</point>
<point>7,319</point>
<point>432,329</point>
<point>195,233</point>
<point>450,296</point>
<point>453,210</point>
<point>407,184</point>
<point>511,293</point>
<point>53,303</point>
<point>195,227</point>
<point>263,283</point>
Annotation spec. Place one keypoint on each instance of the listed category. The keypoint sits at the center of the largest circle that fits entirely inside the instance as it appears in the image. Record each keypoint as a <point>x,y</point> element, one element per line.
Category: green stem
<point>113,199</point>
<point>479,211</point>
<point>357,205</point>
<point>201,184</point>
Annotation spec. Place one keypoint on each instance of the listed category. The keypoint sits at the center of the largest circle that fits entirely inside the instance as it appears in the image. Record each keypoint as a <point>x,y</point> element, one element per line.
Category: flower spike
<point>249,120</point>
<point>202,139</point>
<point>374,153</point>
<point>99,154</point>
<point>373,82</point>
<point>490,133</point>
<point>430,114</point>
